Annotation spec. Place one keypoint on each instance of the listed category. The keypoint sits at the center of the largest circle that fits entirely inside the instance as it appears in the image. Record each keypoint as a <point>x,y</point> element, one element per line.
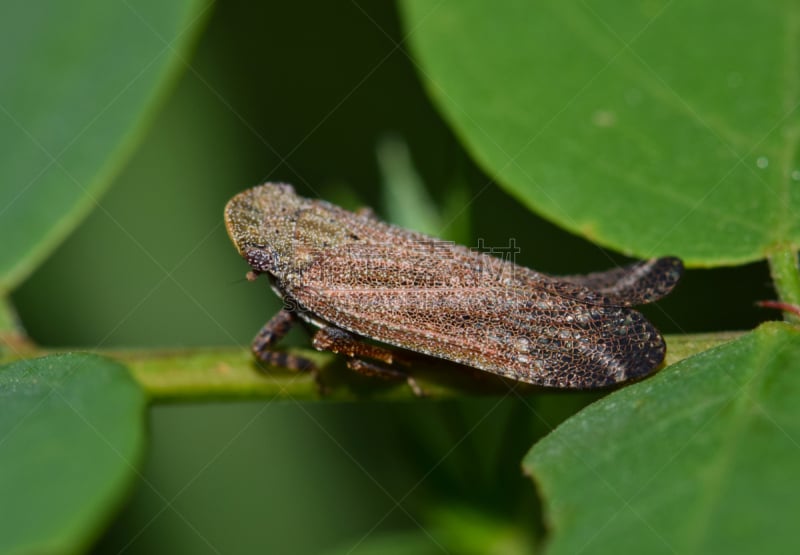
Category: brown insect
<point>361,281</point>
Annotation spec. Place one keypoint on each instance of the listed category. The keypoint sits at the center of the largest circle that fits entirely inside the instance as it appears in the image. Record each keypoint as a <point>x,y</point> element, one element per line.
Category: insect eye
<point>261,260</point>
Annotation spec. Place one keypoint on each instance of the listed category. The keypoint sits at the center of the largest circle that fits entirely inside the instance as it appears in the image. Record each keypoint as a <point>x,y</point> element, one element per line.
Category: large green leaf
<point>650,126</point>
<point>701,458</point>
<point>71,435</point>
<point>77,82</point>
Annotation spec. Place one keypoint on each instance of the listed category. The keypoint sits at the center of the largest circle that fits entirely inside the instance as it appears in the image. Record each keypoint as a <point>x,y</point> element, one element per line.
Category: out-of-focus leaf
<point>71,435</point>
<point>450,529</point>
<point>78,82</point>
<point>405,197</point>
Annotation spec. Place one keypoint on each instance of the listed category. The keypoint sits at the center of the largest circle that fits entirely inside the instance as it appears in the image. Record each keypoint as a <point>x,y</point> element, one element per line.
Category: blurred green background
<point>303,92</point>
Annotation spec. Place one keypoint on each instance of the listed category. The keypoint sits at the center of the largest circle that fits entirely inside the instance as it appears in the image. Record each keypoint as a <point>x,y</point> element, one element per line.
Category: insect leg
<point>276,328</point>
<point>341,342</point>
<point>369,369</point>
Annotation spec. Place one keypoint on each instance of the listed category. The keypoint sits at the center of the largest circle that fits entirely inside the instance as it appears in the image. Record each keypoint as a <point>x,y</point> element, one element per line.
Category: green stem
<point>786,278</point>
<point>228,373</point>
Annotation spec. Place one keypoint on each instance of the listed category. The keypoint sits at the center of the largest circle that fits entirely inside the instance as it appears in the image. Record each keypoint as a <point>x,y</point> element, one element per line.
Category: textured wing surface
<point>446,301</point>
<point>639,283</point>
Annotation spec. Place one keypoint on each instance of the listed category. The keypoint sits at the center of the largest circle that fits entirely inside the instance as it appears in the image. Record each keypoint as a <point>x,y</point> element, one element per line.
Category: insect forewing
<point>639,283</point>
<point>440,299</point>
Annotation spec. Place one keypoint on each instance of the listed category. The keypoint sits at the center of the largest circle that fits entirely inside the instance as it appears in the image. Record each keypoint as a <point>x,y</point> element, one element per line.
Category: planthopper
<point>369,288</point>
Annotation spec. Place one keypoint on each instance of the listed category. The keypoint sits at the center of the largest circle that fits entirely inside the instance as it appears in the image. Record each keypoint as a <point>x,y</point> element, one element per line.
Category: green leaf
<point>78,83</point>
<point>701,458</point>
<point>652,127</point>
<point>71,435</point>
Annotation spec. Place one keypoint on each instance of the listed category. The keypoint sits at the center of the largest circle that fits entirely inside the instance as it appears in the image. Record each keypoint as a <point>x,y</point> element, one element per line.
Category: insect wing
<point>639,283</point>
<point>445,301</point>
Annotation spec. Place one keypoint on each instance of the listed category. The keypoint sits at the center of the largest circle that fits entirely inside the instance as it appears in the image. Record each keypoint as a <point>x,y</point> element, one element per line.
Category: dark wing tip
<point>669,269</point>
<point>651,280</point>
<point>632,350</point>
<point>639,283</point>
<point>621,346</point>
